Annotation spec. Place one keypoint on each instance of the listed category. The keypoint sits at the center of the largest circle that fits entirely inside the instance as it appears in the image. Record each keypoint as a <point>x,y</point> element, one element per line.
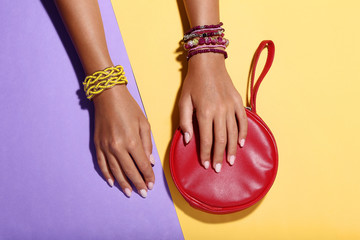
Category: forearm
<point>83,22</point>
<point>202,12</point>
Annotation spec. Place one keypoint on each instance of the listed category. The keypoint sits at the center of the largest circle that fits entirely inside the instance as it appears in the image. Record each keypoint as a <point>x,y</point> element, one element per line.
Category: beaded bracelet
<point>207,40</point>
<point>204,26</point>
<point>101,80</point>
<point>193,53</point>
<point>204,33</point>
<point>208,30</point>
<point>205,46</point>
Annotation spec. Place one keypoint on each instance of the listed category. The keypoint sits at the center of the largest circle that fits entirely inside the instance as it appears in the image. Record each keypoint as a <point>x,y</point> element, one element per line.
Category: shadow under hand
<point>84,103</point>
<point>179,201</point>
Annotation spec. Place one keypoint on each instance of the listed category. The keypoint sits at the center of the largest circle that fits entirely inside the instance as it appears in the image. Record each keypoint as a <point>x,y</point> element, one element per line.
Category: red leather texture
<point>235,187</point>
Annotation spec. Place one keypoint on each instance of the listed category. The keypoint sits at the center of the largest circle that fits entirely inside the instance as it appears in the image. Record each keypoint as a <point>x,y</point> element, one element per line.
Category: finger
<point>232,137</point>
<point>101,160</point>
<point>206,137</point>
<point>142,162</point>
<point>145,135</point>
<point>130,170</point>
<point>186,115</point>
<point>219,142</point>
<point>243,125</point>
<point>118,174</point>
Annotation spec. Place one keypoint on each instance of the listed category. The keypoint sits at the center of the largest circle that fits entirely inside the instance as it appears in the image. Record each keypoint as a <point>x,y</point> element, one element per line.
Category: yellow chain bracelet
<point>102,80</point>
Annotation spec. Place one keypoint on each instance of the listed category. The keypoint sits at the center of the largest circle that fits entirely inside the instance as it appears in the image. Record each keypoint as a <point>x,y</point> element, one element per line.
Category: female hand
<point>123,141</point>
<point>122,133</point>
<point>222,120</point>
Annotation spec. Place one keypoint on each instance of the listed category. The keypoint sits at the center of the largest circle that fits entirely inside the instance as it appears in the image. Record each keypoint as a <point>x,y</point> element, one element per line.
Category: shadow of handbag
<point>246,182</point>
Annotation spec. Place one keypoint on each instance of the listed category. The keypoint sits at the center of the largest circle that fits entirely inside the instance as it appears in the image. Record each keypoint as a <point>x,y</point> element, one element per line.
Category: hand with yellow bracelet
<point>122,135</point>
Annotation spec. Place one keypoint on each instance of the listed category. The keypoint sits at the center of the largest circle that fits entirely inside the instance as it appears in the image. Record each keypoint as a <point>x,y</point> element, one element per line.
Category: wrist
<point>110,95</point>
<point>100,63</point>
<point>207,61</point>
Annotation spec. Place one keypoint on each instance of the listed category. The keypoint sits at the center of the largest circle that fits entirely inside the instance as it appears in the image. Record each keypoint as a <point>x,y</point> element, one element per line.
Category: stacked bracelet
<point>101,80</point>
<point>193,53</point>
<point>204,39</point>
<point>204,26</point>
<point>207,47</point>
<point>207,33</point>
<point>207,40</point>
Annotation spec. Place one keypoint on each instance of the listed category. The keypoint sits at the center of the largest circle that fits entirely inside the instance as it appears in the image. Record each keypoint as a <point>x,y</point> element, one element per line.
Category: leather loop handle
<point>270,57</point>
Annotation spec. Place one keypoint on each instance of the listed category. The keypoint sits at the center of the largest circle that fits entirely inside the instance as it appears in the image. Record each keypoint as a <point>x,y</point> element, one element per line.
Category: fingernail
<point>187,137</point>
<point>127,192</point>
<point>110,182</point>
<point>143,193</point>
<point>152,160</point>
<point>150,185</point>
<point>218,167</point>
<point>242,142</point>
<point>206,164</point>
<point>232,160</point>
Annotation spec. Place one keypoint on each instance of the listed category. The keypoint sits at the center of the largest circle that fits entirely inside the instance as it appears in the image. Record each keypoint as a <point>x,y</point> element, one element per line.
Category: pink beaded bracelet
<point>205,46</point>
<point>207,40</point>
<point>193,53</point>
<point>208,30</point>
<point>204,26</point>
<point>203,34</point>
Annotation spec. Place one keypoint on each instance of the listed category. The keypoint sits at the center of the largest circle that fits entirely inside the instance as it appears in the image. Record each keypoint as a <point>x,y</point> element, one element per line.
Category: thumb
<point>186,115</point>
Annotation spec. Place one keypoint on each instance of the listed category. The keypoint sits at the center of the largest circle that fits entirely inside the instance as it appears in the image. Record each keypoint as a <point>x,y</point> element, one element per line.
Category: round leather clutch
<point>235,187</point>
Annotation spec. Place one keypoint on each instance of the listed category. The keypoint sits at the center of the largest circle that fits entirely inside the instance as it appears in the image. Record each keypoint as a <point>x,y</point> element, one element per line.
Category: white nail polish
<point>127,192</point>
<point>218,167</point>
<point>143,193</point>
<point>232,160</point>
<point>206,164</point>
<point>110,182</point>
<point>152,160</point>
<point>242,142</point>
<point>187,137</point>
<point>150,185</point>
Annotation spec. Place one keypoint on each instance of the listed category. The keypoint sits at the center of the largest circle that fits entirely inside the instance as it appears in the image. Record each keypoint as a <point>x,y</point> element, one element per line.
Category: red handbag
<point>246,182</point>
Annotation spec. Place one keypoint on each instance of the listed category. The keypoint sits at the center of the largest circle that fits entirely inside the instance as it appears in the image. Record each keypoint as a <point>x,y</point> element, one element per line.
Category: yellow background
<point>309,99</point>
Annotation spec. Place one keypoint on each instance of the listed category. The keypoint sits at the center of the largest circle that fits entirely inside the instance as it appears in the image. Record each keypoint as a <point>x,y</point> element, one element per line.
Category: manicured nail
<point>218,167</point>
<point>110,182</point>
<point>232,160</point>
<point>150,185</point>
<point>206,164</point>
<point>242,142</point>
<point>127,192</point>
<point>143,193</point>
<point>187,137</point>
<point>152,160</point>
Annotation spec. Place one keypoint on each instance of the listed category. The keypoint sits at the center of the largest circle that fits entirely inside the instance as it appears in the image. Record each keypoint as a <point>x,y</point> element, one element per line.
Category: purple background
<point>50,186</point>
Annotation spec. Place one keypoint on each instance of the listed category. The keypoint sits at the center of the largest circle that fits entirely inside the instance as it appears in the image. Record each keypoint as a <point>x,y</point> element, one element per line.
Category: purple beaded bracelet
<point>207,40</point>
<point>191,54</point>
<point>204,34</point>
<point>199,32</point>
<point>207,46</point>
<point>208,30</point>
<point>204,26</point>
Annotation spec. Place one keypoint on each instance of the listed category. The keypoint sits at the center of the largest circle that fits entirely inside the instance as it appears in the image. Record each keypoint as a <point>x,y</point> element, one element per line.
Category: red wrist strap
<point>270,57</point>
